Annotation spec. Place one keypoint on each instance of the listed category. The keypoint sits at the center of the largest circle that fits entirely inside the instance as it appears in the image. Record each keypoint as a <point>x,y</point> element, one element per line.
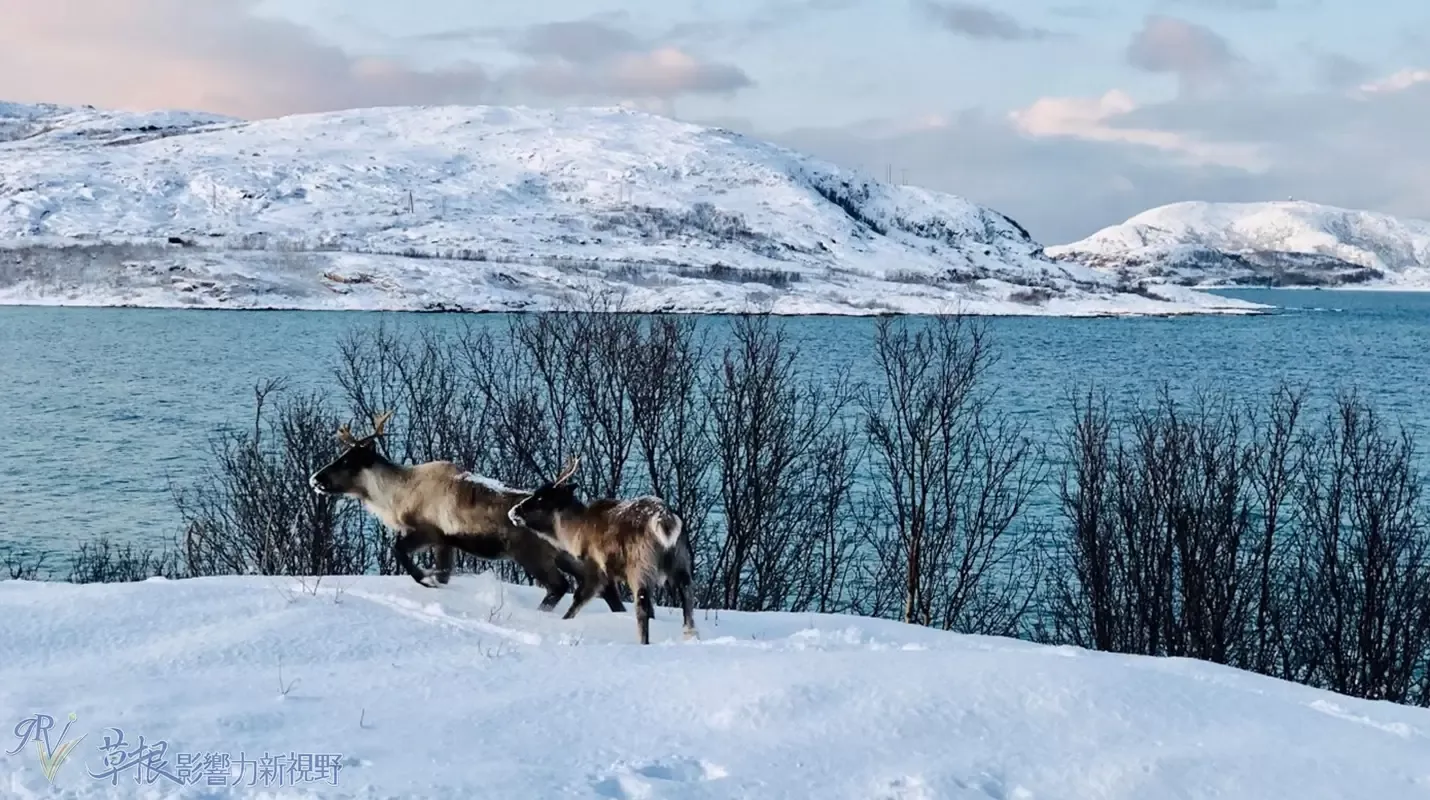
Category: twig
<point>282,688</point>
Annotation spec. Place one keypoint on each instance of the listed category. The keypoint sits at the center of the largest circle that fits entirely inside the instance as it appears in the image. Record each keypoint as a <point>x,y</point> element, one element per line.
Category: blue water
<point>105,407</point>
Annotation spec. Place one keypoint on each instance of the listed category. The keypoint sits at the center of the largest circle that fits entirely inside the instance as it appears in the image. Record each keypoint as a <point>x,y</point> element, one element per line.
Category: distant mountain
<point>1276,243</point>
<point>489,208</point>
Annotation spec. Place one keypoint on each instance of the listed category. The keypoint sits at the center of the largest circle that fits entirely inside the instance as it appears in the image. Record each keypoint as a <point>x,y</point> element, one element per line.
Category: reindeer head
<point>343,474</point>
<point>539,509</point>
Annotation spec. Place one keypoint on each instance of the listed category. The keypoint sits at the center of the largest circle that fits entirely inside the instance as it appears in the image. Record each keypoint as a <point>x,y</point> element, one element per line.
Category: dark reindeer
<point>640,540</point>
<point>439,506</point>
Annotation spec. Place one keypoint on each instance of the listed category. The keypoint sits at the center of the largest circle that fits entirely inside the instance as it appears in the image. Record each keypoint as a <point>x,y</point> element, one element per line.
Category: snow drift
<point>493,208</point>
<point>1278,243</point>
<point>376,687</point>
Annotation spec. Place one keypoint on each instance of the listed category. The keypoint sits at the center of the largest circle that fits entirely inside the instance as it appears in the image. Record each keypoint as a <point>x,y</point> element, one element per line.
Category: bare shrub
<point>774,278</point>
<point>1234,534</point>
<point>101,561</point>
<point>1274,463</point>
<point>1034,296</point>
<point>1161,523</point>
<point>774,431</point>
<point>952,478</point>
<point>22,565</point>
<point>1363,569</point>
<point>252,511</point>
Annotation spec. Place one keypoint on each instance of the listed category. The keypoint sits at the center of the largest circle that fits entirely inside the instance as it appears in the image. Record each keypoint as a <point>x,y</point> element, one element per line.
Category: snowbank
<point>468,692</point>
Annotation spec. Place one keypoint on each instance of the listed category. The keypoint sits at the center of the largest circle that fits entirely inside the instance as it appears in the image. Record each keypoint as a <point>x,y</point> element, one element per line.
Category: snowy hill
<point>468,692</point>
<point>490,208</point>
<point>1279,243</point>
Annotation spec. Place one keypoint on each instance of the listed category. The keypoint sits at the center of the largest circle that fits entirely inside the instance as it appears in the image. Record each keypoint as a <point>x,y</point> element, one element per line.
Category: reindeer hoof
<point>690,634</point>
<point>444,577</point>
<point>429,581</point>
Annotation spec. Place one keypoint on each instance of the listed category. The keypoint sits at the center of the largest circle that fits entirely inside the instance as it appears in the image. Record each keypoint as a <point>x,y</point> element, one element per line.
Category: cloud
<point>771,17</point>
<point>1064,167</point>
<point>1200,58</point>
<point>1096,120</point>
<point>978,22</point>
<point>1337,71</point>
<point>1397,82</point>
<point>211,55</point>
<point>1232,5</point>
<point>589,58</point>
<point>1081,11</point>
<point>580,41</point>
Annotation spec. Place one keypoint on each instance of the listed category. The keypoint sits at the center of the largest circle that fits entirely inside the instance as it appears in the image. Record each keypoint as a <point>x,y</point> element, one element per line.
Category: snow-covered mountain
<point>387,689</point>
<point>491,208</point>
<point>1278,243</point>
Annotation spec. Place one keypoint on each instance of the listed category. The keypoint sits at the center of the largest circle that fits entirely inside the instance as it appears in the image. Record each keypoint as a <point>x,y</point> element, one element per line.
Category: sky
<point>1067,115</point>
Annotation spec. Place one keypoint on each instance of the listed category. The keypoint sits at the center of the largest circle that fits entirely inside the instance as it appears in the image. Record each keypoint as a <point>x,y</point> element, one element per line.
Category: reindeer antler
<point>379,422</point>
<point>567,471</point>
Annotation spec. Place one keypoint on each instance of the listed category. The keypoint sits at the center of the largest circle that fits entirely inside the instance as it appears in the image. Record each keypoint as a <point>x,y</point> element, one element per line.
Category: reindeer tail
<point>666,527</point>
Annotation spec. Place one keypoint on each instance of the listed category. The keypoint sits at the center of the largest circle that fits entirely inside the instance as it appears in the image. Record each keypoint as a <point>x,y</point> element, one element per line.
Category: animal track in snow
<point>435,614</point>
<point>628,781</point>
<point>983,787</point>
<point>907,788</point>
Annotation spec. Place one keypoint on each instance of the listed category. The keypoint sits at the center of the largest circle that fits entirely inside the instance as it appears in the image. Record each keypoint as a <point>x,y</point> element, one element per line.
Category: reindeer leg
<point>644,608</point>
<point>444,560</point>
<point>592,580</point>
<point>540,561</point>
<point>403,547</point>
<point>610,592</point>
<point>682,584</point>
<point>612,595</point>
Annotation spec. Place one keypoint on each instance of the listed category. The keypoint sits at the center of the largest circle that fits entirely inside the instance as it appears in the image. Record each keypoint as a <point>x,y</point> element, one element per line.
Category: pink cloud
<point>210,55</point>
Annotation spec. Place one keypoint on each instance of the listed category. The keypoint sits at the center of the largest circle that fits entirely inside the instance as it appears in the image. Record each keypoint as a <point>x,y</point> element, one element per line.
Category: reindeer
<point>439,506</point>
<point>641,540</point>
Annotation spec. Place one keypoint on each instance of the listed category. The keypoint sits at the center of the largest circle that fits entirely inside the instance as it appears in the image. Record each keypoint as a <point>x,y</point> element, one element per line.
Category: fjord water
<point>107,408</point>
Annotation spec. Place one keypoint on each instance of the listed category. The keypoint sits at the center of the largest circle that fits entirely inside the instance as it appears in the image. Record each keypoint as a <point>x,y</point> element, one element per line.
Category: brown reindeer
<point>437,505</point>
<point>640,540</point>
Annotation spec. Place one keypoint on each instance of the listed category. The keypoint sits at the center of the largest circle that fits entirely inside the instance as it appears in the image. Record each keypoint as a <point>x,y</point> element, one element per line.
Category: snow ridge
<point>1283,242</point>
<point>496,208</point>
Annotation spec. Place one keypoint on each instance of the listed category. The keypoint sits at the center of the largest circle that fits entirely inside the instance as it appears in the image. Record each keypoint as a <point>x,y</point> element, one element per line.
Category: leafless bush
<point>774,278</point>
<point>952,479</point>
<point>1036,295</point>
<point>916,278</point>
<point>1362,572</point>
<point>101,561</point>
<point>702,219</point>
<point>1231,533</point>
<point>1274,462</point>
<point>784,455</point>
<point>252,511</point>
<point>1161,537</point>
<point>22,565</point>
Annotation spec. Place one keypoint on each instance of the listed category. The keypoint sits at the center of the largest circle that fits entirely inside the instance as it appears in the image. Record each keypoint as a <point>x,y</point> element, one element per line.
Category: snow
<point>1220,243</point>
<point>495,208</point>
<point>467,691</point>
<point>490,483</point>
